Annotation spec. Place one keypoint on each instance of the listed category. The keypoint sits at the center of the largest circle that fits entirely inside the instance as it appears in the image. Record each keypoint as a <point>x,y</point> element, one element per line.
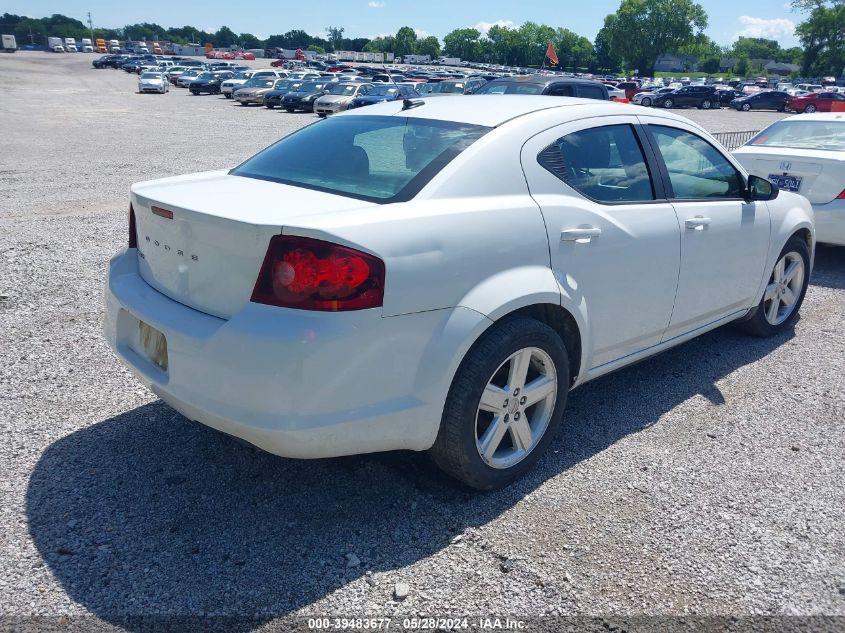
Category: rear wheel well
<point>564,324</point>
<point>805,235</point>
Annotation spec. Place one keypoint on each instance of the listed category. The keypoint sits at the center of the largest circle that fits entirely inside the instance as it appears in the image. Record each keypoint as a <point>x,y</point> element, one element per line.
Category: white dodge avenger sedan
<point>437,275</point>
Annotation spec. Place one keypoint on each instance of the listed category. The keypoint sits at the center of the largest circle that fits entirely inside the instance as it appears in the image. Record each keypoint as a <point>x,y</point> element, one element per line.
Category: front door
<point>724,238</point>
<point>614,240</point>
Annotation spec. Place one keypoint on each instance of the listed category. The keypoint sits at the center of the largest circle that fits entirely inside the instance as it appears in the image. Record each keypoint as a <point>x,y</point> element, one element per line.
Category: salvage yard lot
<point>706,480</point>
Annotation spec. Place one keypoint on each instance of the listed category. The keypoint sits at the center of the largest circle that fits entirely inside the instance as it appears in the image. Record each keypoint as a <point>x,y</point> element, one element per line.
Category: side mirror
<point>761,189</point>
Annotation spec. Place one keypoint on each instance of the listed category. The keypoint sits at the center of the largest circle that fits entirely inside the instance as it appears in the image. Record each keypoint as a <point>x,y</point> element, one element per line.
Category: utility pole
<point>91,27</point>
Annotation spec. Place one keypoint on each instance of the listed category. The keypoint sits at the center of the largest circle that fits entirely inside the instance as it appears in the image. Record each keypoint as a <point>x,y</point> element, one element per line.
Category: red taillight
<point>841,196</point>
<point>133,234</point>
<point>309,274</point>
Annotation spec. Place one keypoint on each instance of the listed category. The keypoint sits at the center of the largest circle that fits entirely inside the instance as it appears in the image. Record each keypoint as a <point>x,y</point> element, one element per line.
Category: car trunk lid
<point>202,238</point>
<point>821,174</point>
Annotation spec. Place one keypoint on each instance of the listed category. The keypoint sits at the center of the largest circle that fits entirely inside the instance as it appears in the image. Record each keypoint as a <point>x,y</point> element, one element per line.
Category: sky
<point>771,19</point>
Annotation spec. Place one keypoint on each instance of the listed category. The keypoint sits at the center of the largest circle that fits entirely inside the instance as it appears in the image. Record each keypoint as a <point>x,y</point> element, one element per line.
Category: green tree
<point>334,34</point>
<point>573,50</point>
<point>248,40</point>
<point>823,36</point>
<point>502,42</point>
<point>607,58</point>
<point>743,65</point>
<point>644,29</point>
<point>533,40</point>
<point>380,45</point>
<point>406,42</point>
<point>429,46</point>
<point>224,37</point>
<point>463,43</point>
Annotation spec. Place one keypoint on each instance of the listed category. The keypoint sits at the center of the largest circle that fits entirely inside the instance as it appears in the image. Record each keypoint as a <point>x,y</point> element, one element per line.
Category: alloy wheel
<point>784,288</point>
<point>705,105</point>
<point>810,108</point>
<point>516,407</point>
<point>746,107</point>
<point>646,102</point>
<point>668,103</point>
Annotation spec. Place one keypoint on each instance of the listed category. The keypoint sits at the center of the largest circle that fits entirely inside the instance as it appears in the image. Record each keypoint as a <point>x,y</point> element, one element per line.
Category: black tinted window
<point>603,163</point>
<point>590,92</point>
<point>561,90</point>
<point>377,158</point>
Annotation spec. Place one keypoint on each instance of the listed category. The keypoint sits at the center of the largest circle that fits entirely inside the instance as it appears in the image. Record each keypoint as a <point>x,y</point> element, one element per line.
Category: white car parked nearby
<point>153,81</point>
<point>437,275</point>
<point>805,154</point>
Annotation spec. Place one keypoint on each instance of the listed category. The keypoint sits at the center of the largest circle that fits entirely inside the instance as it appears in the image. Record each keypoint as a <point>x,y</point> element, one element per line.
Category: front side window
<point>696,168</point>
<point>603,163</point>
<point>376,158</point>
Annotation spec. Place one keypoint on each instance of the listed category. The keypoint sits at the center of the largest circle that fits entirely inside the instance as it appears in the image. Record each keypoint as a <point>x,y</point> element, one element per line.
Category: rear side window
<point>603,163</point>
<point>590,92</point>
<point>375,158</point>
<point>561,90</point>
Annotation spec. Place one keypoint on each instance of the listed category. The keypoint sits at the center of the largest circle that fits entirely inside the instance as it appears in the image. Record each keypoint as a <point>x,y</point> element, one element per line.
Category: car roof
<point>543,80</point>
<point>494,110</point>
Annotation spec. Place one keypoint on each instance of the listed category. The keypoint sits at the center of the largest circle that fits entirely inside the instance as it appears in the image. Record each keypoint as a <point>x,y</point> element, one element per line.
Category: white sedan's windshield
<point>828,135</point>
<point>151,76</point>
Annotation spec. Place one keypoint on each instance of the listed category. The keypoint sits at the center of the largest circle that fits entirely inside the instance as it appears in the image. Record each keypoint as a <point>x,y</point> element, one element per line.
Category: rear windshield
<point>375,158</point>
<point>342,89</point>
<point>803,134</point>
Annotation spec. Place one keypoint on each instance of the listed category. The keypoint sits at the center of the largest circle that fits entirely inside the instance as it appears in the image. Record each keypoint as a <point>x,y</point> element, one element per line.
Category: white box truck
<point>87,47</point>
<point>70,45</point>
<point>9,44</point>
<point>450,61</point>
<point>55,44</point>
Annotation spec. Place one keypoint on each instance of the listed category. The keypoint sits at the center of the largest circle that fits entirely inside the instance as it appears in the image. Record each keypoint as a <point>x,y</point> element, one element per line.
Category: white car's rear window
<point>376,158</point>
<point>829,135</point>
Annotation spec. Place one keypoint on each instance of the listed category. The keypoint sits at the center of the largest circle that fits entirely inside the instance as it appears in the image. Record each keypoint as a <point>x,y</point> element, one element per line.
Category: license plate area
<point>152,345</point>
<point>786,182</point>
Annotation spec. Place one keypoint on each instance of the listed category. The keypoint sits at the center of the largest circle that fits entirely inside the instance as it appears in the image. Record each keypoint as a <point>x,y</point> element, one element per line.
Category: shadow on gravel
<point>149,513</point>
<point>829,267</point>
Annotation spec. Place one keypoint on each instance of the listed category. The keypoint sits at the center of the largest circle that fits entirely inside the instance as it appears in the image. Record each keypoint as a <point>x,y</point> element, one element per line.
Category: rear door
<point>614,240</point>
<point>724,239</point>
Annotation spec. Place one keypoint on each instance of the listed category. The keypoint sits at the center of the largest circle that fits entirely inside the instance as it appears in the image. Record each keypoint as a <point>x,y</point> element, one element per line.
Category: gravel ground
<point>707,480</point>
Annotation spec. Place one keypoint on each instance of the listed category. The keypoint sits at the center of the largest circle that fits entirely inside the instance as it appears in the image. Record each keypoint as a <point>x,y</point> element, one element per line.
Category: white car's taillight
<point>309,274</point>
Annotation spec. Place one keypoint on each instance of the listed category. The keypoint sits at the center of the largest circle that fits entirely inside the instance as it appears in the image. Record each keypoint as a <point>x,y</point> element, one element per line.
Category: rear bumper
<point>830,222</point>
<point>243,99</point>
<point>295,383</point>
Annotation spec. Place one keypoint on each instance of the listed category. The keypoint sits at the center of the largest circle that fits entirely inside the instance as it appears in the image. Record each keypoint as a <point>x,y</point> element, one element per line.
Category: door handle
<point>582,236</point>
<point>697,223</point>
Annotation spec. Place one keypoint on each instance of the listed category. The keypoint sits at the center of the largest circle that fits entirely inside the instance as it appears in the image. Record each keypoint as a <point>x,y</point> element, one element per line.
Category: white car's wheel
<point>504,404</point>
<point>784,292</point>
<point>646,102</point>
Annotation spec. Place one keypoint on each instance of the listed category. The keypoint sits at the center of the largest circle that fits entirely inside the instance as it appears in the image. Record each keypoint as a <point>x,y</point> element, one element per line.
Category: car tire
<point>784,293</point>
<point>243,103</point>
<point>745,107</point>
<point>706,104</point>
<point>810,109</point>
<point>460,439</point>
<point>668,103</point>
<point>291,110</point>
<point>321,115</point>
<point>646,102</point>
<point>269,106</point>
